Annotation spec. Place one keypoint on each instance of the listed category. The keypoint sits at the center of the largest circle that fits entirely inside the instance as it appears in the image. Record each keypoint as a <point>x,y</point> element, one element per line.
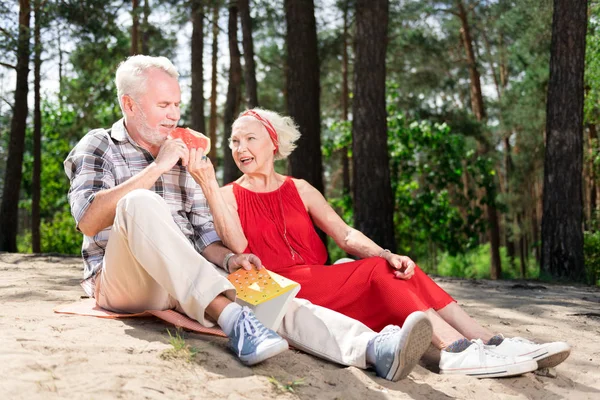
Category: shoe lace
<point>484,351</point>
<point>251,327</point>
<point>387,332</point>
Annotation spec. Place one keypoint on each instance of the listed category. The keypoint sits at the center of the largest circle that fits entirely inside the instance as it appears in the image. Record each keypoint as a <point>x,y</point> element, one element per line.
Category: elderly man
<point>150,243</point>
<point>149,240</point>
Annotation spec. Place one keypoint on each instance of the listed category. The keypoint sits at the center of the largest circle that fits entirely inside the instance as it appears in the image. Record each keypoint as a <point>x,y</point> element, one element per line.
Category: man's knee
<point>138,202</point>
<point>138,198</point>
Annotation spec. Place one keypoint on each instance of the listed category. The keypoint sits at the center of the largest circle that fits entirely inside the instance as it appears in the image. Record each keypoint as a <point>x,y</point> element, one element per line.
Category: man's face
<point>154,113</point>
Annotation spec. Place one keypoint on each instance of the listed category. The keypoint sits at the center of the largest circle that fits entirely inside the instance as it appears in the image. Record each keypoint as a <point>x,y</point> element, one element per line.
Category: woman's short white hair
<point>131,74</point>
<point>285,127</point>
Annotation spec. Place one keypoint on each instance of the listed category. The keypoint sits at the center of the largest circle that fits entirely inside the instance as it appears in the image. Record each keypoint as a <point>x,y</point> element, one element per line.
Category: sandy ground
<point>46,355</point>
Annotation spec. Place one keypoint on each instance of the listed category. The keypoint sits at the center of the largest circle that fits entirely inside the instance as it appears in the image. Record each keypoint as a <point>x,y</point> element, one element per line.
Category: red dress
<point>366,290</point>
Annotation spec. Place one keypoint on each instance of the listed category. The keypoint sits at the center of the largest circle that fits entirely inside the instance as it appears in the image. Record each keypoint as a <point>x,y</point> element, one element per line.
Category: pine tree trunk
<point>212,125</point>
<point>232,104</point>
<point>9,210</point>
<point>135,27</point>
<point>248,46</point>
<point>373,200</point>
<point>60,72</point>
<point>303,100</point>
<point>508,167</point>
<point>346,189</point>
<point>146,28</point>
<point>197,99</point>
<point>523,253</point>
<point>536,211</point>
<point>562,221</point>
<point>593,133</point>
<point>37,135</point>
<point>479,110</point>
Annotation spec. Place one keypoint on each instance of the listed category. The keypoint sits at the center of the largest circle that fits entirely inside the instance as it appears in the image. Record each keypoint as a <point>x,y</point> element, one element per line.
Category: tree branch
<point>7,33</point>
<point>8,102</point>
<point>444,10</point>
<point>8,65</point>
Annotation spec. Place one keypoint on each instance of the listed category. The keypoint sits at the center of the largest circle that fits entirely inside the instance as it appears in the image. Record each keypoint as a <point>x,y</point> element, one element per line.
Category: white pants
<point>150,264</point>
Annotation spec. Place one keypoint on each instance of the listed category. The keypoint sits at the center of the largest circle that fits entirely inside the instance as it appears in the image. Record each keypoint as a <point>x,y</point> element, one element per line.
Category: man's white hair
<point>131,74</point>
<point>285,127</point>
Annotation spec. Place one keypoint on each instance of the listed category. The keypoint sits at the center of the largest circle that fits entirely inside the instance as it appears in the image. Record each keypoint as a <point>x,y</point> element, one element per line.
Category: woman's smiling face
<point>251,146</point>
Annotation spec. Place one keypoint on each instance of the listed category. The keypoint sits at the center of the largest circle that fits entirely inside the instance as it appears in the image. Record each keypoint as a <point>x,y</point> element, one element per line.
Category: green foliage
<point>475,264</point>
<point>58,235</point>
<point>591,251</point>
<point>427,164</point>
<point>269,47</point>
<point>57,230</point>
<point>592,65</point>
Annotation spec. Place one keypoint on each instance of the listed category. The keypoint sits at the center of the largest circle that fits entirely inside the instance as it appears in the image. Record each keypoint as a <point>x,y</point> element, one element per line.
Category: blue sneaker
<point>252,341</point>
<point>398,350</point>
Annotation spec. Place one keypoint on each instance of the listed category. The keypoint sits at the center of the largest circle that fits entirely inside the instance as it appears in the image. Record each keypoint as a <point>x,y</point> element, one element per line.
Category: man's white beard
<point>152,136</point>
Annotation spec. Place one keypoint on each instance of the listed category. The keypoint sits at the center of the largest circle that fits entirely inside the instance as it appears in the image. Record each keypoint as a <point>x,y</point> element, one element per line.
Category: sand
<point>44,355</point>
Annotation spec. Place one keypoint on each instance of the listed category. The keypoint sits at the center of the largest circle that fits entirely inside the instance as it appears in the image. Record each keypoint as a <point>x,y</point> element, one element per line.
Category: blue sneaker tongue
<point>458,346</point>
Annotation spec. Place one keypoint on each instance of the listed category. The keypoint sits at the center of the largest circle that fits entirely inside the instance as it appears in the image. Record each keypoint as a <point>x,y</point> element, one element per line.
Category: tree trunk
<point>37,135</point>
<point>523,253</point>
<point>593,136</point>
<point>373,200</point>
<point>476,96</point>
<point>562,218</point>
<point>60,72</point>
<point>303,90</point>
<point>212,125</point>
<point>232,104</point>
<point>197,100</point>
<point>535,222</point>
<point>478,108</point>
<point>508,167</point>
<point>135,27</point>
<point>248,46</point>
<point>12,179</point>
<point>346,189</point>
<point>146,28</point>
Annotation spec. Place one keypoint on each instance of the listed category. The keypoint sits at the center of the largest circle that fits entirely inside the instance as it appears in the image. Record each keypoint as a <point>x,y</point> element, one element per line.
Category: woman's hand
<point>404,266</point>
<point>200,167</point>
<point>244,260</point>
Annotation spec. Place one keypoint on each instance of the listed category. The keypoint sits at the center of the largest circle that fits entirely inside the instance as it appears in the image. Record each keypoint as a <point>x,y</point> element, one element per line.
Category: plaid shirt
<point>106,158</point>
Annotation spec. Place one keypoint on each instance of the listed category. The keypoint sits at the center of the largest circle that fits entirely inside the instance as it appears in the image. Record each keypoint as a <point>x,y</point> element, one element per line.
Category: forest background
<point>425,123</point>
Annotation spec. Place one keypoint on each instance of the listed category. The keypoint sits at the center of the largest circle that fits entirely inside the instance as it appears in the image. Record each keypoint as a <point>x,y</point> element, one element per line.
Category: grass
<point>180,349</point>
<point>289,386</point>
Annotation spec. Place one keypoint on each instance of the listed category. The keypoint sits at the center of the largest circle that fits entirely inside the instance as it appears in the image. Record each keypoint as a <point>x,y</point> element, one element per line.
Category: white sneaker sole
<point>415,340</point>
<point>551,355</point>
<point>272,350</point>
<point>495,372</point>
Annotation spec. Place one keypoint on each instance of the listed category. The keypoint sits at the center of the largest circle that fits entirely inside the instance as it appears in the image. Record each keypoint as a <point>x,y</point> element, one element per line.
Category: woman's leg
<point>443,333</point>
<point>455,316</point>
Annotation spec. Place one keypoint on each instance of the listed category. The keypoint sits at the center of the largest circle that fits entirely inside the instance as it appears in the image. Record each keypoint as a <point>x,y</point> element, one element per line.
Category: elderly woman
<point>272,216</point>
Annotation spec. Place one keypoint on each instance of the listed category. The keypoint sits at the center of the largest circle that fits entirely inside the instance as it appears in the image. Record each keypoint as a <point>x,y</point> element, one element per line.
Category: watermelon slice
<point>192,139</point>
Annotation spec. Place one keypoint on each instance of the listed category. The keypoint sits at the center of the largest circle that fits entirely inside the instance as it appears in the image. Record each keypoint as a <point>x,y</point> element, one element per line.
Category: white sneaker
<point>547,355</point>
<point>480,361</point>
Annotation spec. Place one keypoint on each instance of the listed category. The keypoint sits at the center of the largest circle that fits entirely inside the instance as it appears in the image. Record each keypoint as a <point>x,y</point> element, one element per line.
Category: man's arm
<point>101,212</point>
